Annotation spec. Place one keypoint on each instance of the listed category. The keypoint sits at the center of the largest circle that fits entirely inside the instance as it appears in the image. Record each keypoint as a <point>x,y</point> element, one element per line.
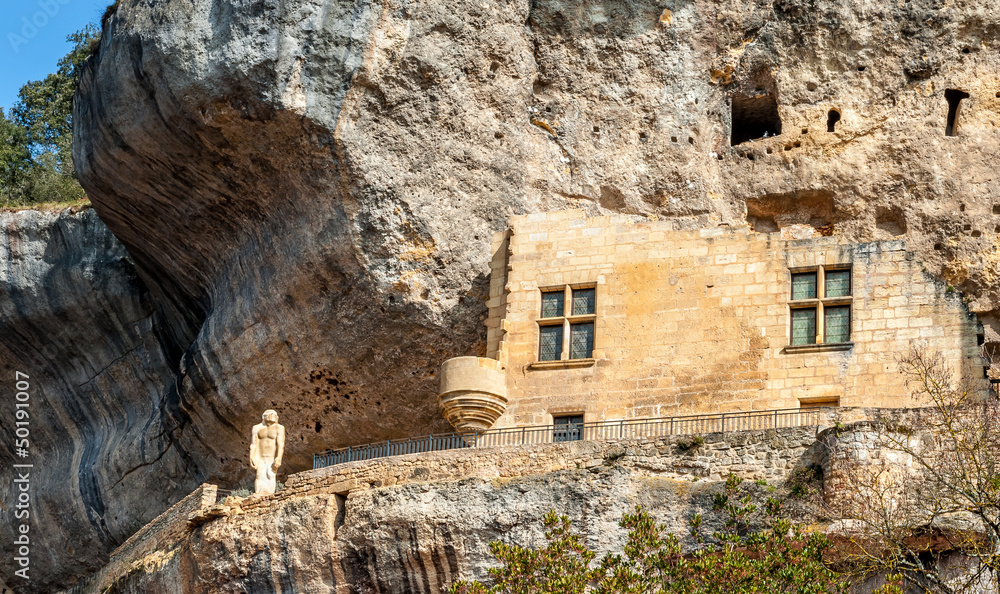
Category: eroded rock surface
<point>78,321</point>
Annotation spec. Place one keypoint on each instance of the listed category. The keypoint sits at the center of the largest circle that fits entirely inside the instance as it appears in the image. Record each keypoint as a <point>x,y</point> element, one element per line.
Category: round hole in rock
<point>750,156</point>
<point>831,120</point>
<point>498,135</point>
<point>690,140</point>
<point>977,233</point>
<point>769,150</point>
<point>811,86</point>
<point>720,157</point>
<point>966,50</point>
<point>861,68</point>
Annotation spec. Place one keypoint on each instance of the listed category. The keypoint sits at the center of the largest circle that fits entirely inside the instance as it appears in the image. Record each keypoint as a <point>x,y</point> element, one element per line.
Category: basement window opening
<point>567,428</point>
<point>954,98</point>
<point>754,117</point>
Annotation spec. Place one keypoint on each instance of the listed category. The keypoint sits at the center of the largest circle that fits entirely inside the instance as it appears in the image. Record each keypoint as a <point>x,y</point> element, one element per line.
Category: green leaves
<point>779,560</point>
<point>36,162</point>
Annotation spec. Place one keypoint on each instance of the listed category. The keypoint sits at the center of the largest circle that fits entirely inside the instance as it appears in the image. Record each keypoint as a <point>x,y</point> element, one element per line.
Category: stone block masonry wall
<point>700,321</point>
<point>156,538</point>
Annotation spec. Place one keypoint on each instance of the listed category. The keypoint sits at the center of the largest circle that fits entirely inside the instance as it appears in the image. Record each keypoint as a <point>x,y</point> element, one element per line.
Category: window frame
<point>570,429</point>
<point>819,303</point>
<point>568,320</point>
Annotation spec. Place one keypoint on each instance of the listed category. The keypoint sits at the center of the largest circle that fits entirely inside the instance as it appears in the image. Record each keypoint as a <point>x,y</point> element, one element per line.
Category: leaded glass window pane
<point>552,304</point>
<point>583,301</point>
<point>550,339</point>
<point>838,283</point>
<point>838,323</point>
<point>804,285</point>
<point>804,326</point>
<point>581,341</point>
<point>568,428</point>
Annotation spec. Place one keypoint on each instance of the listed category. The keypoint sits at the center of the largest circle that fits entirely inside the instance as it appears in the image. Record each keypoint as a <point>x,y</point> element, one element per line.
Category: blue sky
<point>33,38</point>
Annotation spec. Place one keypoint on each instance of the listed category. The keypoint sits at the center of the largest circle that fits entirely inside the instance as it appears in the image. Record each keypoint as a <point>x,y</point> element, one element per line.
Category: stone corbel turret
<point>473,392</point>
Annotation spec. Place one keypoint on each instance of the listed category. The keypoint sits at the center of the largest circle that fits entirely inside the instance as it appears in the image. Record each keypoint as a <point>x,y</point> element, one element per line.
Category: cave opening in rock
<point>754,117</point>
<point>831,120</point>
<point>954,97</point>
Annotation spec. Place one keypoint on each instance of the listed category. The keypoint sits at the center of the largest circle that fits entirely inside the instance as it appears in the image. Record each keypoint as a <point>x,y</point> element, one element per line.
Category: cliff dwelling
<point>603,318</point>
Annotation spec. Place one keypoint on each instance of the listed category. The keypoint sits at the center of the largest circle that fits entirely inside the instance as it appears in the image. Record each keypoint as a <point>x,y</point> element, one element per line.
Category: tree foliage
<point>36,162</point>
<point>780,559</point>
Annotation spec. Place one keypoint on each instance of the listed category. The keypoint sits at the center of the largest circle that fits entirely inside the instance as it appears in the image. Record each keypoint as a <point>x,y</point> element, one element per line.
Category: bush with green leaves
<point>780,559</point>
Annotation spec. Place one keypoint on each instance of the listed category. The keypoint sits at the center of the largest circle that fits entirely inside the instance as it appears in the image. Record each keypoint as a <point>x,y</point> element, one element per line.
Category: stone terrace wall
<point>165,532</point>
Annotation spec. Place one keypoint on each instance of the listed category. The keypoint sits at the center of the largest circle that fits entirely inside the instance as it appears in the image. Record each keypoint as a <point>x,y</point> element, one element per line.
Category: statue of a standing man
<point>266,448</point>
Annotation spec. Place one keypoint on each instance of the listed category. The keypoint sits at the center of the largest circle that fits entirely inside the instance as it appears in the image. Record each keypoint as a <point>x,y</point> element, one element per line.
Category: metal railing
<point>600,430</point>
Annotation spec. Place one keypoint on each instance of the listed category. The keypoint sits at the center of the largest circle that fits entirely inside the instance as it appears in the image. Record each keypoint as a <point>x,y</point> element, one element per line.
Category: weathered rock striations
<point>308,189</point>
<point>77,320</point>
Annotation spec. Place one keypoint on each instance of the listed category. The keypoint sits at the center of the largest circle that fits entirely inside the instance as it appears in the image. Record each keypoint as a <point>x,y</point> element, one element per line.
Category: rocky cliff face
<point>78,321</point>
<point>417,523</point>
<point>308,188</point>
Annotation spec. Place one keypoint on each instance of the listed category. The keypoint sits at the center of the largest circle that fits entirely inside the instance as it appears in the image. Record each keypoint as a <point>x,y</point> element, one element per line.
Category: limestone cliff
<point>416,523</point>
<point>78,321</point>
<point>308,190</point>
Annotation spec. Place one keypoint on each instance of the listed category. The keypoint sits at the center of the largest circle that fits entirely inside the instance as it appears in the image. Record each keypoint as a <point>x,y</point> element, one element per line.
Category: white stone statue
<point>266,448</point>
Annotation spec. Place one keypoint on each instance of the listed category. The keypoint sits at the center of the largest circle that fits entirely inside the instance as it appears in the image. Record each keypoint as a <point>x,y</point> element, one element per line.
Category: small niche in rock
<point>769,150</point>
<point>749,156</point>
<point>890,222</point>
<point>961,208</point>
<point>954,97</point>
<point>720,156</point>
<point>811,86</point>
<point>805,130</point>
<point>673,139</point>
<point>754,117</point>
<point>494,66</point>
<point>690,140</point>
<point>977,233</point>
<point>596,129</point>
<point>967,227</point>
<point>861,68</point>
<point>938,246</point>
<point>966,50</point>
<point>642,136</point>
<point>831,120</point>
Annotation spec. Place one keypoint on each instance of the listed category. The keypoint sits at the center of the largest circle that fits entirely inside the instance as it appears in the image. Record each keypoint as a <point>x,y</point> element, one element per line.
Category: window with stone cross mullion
<point>566,324</point>
<point>820,307</point>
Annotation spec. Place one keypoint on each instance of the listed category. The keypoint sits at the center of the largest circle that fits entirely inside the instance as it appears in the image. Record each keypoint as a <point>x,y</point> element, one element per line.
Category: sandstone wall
<point>698,321</point>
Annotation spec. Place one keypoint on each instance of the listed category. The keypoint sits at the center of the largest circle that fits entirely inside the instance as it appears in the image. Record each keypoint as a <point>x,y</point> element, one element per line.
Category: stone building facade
<point>617,317</point>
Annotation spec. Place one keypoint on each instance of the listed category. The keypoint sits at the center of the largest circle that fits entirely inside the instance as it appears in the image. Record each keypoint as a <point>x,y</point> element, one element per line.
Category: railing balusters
<point>626,429</point>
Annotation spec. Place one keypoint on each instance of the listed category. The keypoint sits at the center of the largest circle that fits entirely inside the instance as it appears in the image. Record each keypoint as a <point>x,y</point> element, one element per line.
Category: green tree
<point>36,162</point>
<point>15,159</point>
<point>780,559</point>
